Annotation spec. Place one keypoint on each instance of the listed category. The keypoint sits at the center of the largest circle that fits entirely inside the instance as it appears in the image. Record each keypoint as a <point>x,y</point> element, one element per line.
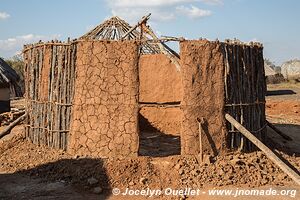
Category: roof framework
<point>116,28</point>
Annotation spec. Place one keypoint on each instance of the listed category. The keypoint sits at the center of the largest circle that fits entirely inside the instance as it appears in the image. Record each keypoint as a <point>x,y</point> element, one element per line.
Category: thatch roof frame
<point>7,74</point>
<point>116,28</point>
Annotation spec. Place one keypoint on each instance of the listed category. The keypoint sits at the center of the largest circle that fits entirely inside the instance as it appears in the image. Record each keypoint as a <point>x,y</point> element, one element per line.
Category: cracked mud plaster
<point>105,115</point>
<point>203,96</point>
<point>160,82</point>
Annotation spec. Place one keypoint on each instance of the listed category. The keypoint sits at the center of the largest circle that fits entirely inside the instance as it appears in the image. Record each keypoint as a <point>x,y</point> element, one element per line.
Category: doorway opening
<point>160,116</point>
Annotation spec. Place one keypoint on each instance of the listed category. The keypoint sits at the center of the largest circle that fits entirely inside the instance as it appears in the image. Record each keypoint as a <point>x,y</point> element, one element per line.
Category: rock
<point>207,159</point>
<point>131,183</point>
<point>195,172</point>
<point>201,169</point>
<point>221,172</point>
<point>180,171</point>
<point>237,161</point>
<point>92,181</point>
<point>177,166</point>
<point>281,176</point>
<point>220,183</point>
<point>97,190</point>
<point>143,180</point>
<point>259,154</point>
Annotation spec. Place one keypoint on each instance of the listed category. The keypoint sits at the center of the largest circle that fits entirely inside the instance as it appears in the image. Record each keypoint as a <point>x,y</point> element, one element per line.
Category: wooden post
<point>200,122</point>
<point>269,153</point>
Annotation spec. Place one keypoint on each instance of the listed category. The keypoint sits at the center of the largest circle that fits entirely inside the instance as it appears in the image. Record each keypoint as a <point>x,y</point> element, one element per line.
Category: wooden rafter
<point>117,29</point>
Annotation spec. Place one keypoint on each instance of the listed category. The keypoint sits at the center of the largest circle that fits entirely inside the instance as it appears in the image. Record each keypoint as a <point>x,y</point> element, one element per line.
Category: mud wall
<point>159,80</point>
<point>167,120</point>
<point>105,115</point>
<point>202,65</point>
<point>221,77</point>
<point>160,83</point>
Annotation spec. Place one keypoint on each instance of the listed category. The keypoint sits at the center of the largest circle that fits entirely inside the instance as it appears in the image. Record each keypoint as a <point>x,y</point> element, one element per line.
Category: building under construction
<point>118,87</point>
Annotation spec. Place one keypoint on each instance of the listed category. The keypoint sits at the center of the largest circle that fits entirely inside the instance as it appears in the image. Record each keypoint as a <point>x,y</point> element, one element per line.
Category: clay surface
<point>203,96</point>
<point>105,115</point>
<point>159,79</point>
<point>166,120</point>
<point>160,82</point>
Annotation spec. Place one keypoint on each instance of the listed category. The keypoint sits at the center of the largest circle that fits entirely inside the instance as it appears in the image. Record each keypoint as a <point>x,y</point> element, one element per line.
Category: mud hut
<point>291,70</point>
<point>8,85</point>
<point>96,95</point>
<point>269,71</point>
<point>272,76</point>
<point>160,87</point>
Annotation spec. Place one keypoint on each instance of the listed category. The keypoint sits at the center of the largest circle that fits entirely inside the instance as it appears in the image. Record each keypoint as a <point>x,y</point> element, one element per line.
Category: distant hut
<point>272,73</point>
<point>291,70</point>
<point>269,71</point>
<point>8,85</point>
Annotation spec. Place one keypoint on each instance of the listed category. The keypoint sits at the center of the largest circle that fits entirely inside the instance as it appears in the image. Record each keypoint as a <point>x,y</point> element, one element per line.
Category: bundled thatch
<point>9,79</point>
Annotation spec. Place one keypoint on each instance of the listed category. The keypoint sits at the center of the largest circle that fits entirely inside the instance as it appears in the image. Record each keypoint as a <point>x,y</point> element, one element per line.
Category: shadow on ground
<point>63,179</point>
<point>281,144</point>
<point>155,143</point>
<point>280,92</point>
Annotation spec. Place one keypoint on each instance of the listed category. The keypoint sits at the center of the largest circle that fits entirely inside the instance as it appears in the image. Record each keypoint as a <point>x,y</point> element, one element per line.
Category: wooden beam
<point>143,20</point>
<point>7,130</point>
<point>268,152</point>
<point>173,58</point>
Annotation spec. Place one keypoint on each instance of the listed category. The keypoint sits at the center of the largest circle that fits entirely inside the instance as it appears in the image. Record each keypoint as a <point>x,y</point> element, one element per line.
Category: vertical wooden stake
<point>200,122</point>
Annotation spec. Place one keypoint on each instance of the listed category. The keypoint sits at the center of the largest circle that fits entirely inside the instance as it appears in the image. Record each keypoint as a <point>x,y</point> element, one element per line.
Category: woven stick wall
<point>245,90</point>
<point>49,83</point>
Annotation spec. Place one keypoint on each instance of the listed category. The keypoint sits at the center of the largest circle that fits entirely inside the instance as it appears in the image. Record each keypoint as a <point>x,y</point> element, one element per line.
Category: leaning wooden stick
<point>200,122</point>
<point>269,153</point>
<point>143,20</point>
<point>7,130</point>
<point>279,131</point>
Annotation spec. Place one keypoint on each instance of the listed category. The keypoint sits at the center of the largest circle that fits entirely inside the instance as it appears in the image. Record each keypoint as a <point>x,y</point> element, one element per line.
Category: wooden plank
<point>7,130</point>
<point>268,152</point>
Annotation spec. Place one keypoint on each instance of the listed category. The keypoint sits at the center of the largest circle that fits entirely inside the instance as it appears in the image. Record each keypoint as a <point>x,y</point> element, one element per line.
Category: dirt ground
<point>28,171</point>
<point>283,110</point>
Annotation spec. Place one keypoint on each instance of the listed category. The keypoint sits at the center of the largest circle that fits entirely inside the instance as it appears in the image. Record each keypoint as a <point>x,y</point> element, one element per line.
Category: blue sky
<point>275,23</point>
